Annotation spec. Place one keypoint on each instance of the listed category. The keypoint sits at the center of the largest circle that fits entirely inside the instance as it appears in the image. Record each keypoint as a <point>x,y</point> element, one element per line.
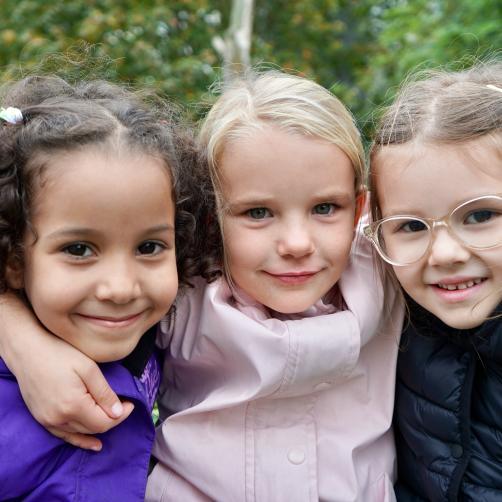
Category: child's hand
<point>71,400</point>
<point>64,390</point>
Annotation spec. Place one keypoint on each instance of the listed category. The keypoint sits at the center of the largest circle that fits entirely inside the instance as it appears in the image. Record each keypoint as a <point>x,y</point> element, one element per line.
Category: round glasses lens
<point>479,223</point>
<point>403,240</point>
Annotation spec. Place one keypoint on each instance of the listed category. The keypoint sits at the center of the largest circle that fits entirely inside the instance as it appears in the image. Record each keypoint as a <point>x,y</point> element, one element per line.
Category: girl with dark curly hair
<point>97,222</point>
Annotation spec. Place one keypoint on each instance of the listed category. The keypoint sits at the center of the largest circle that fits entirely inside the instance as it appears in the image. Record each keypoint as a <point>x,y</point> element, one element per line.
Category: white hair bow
<point>11,115</point>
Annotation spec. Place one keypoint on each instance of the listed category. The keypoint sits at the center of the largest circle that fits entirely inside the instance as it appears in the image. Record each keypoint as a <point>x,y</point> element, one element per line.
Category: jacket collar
<point>485,339</point>
<point>248,305</point>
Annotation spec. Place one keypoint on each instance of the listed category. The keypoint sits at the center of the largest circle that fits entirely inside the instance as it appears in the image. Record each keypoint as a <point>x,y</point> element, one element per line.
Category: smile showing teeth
<point>460,285</point>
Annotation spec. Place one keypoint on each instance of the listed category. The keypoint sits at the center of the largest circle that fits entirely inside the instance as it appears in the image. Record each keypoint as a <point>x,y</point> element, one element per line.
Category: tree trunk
<point>235,48</point>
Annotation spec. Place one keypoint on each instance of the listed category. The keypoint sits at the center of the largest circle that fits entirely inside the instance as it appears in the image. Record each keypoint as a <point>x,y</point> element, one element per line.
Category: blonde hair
<point>292,103</point>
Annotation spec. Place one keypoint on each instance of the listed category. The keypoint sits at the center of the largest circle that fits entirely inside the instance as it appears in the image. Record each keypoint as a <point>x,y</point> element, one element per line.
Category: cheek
<point>54,296</point>
<point>409,278</point>
<point>494,261</point>
<point>242,246</point>
<point>338,241</point>
<point>53,288</point>
<point>45,286</point>
<point>52,302</point>
<point>237,259</point>
<point>164,286</point>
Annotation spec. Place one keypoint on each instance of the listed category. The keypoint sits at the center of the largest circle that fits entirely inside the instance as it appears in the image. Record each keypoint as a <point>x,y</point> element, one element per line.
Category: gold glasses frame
<point>371,231</point>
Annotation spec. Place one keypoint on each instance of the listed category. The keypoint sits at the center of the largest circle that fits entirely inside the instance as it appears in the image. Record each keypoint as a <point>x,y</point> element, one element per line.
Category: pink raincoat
<point>285,408</point>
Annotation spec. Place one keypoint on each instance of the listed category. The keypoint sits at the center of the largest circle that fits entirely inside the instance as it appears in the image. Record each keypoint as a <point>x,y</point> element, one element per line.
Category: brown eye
<point>78,249</point>
<point>480,216</point>
<point>150,248</point>
<point>413,226</point>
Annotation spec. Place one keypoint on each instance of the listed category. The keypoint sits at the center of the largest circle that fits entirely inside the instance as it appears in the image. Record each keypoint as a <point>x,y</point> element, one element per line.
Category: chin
<point>286,310</point>
<point>290,307</point>
<point>463,324</point>
<point>108,354</point>
<point>467,320</point>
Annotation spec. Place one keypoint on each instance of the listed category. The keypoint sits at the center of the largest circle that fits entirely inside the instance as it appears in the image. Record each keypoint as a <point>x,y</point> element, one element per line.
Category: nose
<point>446,250</point>
<point>295,240</point>
<point>119,283</point>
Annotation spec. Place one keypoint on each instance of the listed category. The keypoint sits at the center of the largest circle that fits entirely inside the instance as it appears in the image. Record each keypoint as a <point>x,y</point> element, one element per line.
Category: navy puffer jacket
<point>448,412</point>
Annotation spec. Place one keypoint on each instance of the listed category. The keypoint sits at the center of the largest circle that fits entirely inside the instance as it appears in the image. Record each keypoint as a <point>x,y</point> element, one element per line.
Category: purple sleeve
<point>28,453</point>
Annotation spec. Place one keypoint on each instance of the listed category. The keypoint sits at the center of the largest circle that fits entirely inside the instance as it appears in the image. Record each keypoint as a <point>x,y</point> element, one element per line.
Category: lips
<point>293,277</point>
<point>111,321</point>
<point>458,289</point>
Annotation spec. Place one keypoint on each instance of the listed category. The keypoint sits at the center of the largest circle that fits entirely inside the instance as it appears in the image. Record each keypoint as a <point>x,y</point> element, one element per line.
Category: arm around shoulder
<point>63,389</point>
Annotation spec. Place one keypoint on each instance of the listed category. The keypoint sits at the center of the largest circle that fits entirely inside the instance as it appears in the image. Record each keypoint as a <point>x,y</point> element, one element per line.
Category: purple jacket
<point>34,465</point>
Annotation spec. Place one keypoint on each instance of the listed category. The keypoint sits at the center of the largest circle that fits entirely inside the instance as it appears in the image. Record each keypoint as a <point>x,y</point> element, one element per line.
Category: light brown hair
<point>440,107</point>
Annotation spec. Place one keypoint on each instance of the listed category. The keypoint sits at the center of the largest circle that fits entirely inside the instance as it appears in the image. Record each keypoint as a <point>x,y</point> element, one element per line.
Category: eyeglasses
<point>402,240</point>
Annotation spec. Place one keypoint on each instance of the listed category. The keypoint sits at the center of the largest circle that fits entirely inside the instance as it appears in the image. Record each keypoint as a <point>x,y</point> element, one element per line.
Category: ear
<point>14,274</point>
<point>361,200</point>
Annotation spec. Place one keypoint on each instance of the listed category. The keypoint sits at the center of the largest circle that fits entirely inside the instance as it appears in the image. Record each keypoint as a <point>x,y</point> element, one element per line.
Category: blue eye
<point>480,216</point>
<point>258,213</point>
<point>325,209</point>
<point>78,249</point>
<point>150,248</point>
<point>412,226</point>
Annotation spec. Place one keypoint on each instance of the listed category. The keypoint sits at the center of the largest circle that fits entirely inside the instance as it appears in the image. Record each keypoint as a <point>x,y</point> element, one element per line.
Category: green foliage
<point>358,49</point>
<point>149,42</point>
<point>424,34</point>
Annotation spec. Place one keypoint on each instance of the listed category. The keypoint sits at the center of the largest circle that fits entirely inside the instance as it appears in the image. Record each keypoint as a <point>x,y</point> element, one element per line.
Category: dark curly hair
<point>59,116</point>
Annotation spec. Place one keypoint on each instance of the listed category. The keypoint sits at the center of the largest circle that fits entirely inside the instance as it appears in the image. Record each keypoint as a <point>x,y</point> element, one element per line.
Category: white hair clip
<point>494,87</point>
<point>11,115</point>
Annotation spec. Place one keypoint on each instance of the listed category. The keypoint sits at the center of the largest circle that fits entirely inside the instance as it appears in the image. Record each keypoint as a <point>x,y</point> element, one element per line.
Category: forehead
<point>101,180</point>
<point>415,176</point>
<point>102,160</point>
<point>261,153</point>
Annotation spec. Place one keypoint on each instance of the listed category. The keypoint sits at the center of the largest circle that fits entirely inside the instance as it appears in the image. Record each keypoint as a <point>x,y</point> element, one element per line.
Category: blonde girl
<point>279,376</point>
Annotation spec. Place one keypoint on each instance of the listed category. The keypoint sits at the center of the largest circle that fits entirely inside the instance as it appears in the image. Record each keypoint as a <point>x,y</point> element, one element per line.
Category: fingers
<point>76,439</point>
<point>77,434</point>
<point>93,420</point>
<point>102,393</point>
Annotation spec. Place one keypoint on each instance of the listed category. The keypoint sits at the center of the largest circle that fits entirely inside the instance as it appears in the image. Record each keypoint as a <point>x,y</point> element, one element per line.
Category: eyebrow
<point>259,200</point>
<point>250,200</point>
<point>343,197</point>
<point>412,214</point>
<point>76,232</point>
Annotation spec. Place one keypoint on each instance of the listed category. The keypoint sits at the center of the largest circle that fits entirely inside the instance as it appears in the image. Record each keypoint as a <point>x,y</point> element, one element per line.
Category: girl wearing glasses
<point>436,179</point>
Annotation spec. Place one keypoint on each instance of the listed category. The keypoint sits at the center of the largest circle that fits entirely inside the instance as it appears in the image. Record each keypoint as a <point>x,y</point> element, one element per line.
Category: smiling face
<point>102,268</point>
<point>288,220</point>
<point>460,285</point>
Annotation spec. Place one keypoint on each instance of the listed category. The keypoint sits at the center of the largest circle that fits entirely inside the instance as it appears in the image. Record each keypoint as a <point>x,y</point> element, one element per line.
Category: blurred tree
<point>358,49</point>
<point>235,47</point>
<point>151,42</point>
<point>362,49</point>
<point>421,34</point>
